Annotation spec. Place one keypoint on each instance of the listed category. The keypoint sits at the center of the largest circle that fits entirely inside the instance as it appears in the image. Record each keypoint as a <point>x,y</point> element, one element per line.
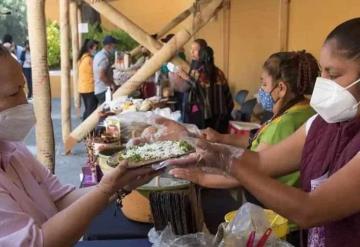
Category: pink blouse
<point>28,192</point>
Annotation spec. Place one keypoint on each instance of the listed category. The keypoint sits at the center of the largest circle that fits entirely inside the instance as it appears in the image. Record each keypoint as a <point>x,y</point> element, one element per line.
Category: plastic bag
<point>136,124</point>
<point>167,238</point>
<point>249,218</point>
<point>234,234</point>
<point>162,128</point>
<point>177,83</point>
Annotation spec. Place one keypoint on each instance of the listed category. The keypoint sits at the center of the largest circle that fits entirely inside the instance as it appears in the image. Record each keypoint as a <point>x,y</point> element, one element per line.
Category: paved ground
<point>67,167</point>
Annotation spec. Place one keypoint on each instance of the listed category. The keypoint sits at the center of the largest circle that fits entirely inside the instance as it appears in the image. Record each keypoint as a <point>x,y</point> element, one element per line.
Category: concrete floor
<point>67,168</point>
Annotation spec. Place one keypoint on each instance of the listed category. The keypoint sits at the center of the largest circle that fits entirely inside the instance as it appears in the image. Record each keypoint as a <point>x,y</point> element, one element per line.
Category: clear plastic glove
<point>163,129</point>
<point>211,135</point>
<point>129,179</point>
<point>210,155</point>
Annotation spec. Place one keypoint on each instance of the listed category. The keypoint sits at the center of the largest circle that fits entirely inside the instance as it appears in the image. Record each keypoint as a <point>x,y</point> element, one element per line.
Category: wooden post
<point>45,144</point>
<point>168,27</point>
<point>79,20</point>
<point>284,24</point>
<point>226,37</point>
<point>75,54</point>
<point>65,69</point>
<point>148,69</point>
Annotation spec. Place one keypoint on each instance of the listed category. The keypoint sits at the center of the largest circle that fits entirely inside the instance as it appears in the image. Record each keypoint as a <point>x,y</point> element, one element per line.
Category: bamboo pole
<point>148,69</point>
<point>79,20</point>
<point>168,27</point>
<point>226,39</point>
<point>75,53</point>
<point>135,31</point>
<point>45,143</point>
<point>284,24</point>
<point>65,69</point>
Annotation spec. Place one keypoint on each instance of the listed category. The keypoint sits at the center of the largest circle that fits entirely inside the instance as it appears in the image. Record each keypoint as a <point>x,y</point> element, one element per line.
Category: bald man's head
<point>12,81</point>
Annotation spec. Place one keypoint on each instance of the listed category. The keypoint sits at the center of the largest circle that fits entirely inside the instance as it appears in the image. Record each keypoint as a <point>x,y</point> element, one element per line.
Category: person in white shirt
<point>25,60</point>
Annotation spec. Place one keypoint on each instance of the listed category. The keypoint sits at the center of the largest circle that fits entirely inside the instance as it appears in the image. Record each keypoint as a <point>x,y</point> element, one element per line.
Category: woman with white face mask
<point>35,209</point>
<point>325,150</point>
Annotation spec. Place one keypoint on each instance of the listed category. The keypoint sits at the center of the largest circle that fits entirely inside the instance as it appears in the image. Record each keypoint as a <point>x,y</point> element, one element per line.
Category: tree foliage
<point>53,42</point>
<point>16,23</point>
<point>126,42</point>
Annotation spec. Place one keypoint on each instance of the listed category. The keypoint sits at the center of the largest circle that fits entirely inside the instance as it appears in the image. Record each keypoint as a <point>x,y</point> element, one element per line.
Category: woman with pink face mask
<point>325,150</point>
<point>35,208</point>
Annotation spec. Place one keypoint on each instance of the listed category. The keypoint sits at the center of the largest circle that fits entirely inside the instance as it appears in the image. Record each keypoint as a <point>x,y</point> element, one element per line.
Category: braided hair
<point>297,69</point>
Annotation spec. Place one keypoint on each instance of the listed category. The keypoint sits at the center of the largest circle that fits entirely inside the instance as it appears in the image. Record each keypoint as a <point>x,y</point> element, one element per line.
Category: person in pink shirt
<point>36,210</point>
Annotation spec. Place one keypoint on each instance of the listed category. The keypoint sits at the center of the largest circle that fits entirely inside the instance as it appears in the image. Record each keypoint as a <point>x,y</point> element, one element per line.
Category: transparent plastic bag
<point>249,218</point>
<point>167,238</point>
<point>163,129</point>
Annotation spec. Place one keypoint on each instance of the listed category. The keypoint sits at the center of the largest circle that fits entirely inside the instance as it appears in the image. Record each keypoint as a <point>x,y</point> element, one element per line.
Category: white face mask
<point>333,102</point>
<point>16,122</point>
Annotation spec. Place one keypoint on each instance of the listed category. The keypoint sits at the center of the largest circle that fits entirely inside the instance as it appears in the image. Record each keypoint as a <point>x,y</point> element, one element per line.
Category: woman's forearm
<point>66,227</point>
<point>72,197</point>
<point>238,141</point>
<point>218,181</point>
<point>285,200</point>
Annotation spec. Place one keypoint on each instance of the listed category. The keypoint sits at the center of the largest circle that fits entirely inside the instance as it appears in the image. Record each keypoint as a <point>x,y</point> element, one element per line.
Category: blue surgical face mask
<point>266,100</point>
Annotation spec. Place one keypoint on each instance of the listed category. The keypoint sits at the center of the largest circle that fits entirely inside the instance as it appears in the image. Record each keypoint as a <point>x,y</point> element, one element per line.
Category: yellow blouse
<point>86,77</point>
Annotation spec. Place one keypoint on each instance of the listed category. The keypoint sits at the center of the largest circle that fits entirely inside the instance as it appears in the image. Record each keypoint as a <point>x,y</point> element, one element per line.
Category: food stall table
<point>112,224</point>
<point>115,243</point>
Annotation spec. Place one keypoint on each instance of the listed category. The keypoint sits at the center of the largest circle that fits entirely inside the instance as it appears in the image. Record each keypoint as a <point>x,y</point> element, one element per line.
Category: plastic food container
<point>104,156</point>
<point>242,128</point>
<point>280,226</point>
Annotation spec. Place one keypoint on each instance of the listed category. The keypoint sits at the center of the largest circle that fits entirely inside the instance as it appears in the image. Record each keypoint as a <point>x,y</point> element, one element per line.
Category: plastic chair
<point>240,97</point>
<point>246,111</point>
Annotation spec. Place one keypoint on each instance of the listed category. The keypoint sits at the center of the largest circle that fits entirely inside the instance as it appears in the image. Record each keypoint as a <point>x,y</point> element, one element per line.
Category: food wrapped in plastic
<point>164,129</point>
<point>147,126</point>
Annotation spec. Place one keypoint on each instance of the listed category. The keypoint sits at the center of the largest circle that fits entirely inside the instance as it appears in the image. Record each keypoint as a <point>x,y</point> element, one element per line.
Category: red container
<point>242,128</point>
<point>148,89</point>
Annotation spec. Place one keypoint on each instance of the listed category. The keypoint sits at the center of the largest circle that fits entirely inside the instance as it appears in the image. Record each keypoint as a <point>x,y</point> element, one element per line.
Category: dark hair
<point>88,44</point>
<point>7,38</point>
<point>201,42</point>
<point>347,37</point>
<point>297,69</point>
<point>3,51</point>
<point>207,60</point>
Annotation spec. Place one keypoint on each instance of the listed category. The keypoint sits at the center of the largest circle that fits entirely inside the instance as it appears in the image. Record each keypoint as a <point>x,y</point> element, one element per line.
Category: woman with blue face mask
<point>325,150</point>
<point>35,208</point>
<point>285,79</point>
<point>86,77</point>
